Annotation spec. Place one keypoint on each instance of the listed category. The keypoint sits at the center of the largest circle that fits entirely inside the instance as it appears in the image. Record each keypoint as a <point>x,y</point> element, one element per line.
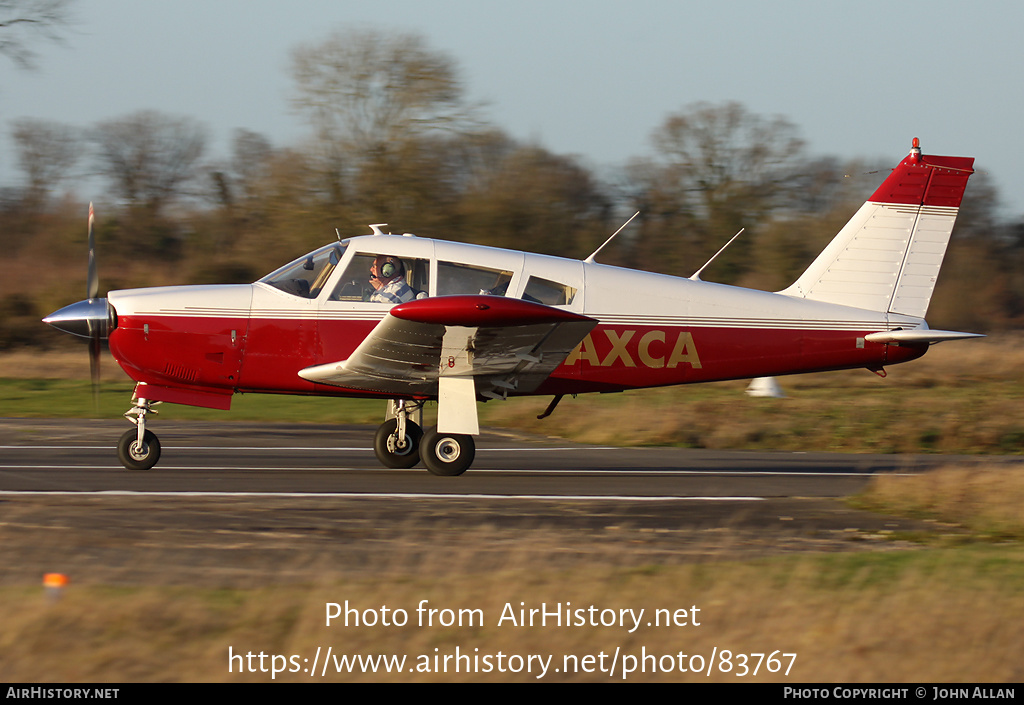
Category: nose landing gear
<point>139,449</point>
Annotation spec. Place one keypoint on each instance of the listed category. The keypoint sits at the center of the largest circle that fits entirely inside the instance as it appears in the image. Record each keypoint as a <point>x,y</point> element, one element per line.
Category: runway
<point>252,504</point>
<point>79,456</point>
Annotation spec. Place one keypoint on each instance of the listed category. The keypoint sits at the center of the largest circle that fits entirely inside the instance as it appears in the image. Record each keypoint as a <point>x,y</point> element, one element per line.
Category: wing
<point>458,348</point>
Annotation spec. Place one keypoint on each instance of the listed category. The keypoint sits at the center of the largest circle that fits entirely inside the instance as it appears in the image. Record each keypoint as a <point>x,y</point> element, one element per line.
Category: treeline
<point>394,139</point>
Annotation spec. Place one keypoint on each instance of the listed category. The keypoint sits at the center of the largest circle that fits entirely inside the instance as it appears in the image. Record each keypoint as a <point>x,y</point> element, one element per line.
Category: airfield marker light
<point>53,584</point>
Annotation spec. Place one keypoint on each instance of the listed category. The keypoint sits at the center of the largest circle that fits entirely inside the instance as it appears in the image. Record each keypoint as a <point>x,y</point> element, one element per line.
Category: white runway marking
<point>473,471</point>
<point>383,495</point>
<point>299,448</point>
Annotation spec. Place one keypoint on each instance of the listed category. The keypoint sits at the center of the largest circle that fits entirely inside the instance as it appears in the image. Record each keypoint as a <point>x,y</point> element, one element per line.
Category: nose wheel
<point>447,454</point>
<point>138,455</point>
<point>139,448</point>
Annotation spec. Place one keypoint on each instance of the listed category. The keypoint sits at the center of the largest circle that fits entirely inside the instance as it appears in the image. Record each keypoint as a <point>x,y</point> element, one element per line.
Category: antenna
<point>590,260</point>
<point>696,275</point>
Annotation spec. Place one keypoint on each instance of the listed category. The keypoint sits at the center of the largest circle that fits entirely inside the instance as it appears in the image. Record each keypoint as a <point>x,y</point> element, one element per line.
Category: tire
<point>385,445</point>
<point>447,454</point>
<point>134,459</point>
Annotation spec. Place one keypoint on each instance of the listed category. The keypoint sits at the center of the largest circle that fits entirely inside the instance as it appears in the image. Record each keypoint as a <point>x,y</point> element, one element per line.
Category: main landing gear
<point>139,449</point>
<point>447,453</point>
<point>397,443</point>
<point>401,443</point>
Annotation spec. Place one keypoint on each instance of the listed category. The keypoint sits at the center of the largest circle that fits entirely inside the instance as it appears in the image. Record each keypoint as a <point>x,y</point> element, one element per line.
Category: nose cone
<point>86,319</point>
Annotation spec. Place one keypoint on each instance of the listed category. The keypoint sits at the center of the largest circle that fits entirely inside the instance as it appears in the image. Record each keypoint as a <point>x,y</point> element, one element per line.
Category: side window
<point>355,280</point>
<point>456,279</point>
<point>544,291</point>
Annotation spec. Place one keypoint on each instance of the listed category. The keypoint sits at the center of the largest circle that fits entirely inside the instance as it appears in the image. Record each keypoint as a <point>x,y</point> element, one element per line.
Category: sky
<point>589,78</point>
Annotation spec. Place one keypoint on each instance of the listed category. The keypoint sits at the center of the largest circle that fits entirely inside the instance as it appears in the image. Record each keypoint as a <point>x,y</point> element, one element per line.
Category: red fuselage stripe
<point>224,355</point>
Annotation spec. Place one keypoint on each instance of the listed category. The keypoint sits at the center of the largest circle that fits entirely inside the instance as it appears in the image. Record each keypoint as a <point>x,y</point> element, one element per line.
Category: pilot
<point>387,275</point>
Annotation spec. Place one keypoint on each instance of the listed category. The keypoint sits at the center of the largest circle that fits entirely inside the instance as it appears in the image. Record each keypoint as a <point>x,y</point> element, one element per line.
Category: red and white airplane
<point>485,323</point>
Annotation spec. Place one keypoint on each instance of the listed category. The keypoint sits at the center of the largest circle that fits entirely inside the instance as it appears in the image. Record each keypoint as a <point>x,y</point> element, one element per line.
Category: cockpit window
<point>306,276</point>
<point>545,291</point>
<point>355,285</point>
<point>454,278</point>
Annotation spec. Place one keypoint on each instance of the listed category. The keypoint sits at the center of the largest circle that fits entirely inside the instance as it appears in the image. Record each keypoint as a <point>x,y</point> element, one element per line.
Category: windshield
<point>307,275</point>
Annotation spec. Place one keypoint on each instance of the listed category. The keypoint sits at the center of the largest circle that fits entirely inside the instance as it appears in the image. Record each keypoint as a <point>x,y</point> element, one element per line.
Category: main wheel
<point>393,454</point>
<point>447,454</point>
<point>134,457</point>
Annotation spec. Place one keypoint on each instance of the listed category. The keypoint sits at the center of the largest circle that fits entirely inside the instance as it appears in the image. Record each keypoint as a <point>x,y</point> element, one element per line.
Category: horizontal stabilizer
<point>918,336</point>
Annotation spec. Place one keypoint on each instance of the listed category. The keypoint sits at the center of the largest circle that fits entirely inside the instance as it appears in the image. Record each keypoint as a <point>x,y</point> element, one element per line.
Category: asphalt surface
<point>268,503</point>
<point>79,456</point>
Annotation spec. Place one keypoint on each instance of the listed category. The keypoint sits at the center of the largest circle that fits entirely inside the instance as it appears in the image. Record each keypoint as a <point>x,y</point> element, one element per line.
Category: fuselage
<point>412,319</point>
<point>200,344</point>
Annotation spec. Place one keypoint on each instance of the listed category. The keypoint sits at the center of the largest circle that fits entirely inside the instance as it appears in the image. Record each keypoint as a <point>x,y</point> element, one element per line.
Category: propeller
<point>92,285</point>
<point>92,319</point>
<point>92,282</point>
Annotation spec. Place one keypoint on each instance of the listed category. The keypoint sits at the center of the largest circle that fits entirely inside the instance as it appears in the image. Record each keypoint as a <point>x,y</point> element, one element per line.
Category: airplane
<point>480,323</point>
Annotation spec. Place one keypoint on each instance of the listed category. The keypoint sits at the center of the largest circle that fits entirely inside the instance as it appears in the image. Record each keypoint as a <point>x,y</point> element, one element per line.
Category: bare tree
<point>250,154</point>
<point>150,157</point>
<point>23,20</point>
<point>535,200</point>
<point>364,90</point>
<point>46,153</point>
<point>724,155</point>
<point>238,178</point>
<point>718,168</point>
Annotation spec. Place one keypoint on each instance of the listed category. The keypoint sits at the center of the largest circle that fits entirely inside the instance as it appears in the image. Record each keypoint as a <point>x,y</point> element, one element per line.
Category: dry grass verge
<point>986,500</point>
<point>946,614</point>
<point>918,616</point>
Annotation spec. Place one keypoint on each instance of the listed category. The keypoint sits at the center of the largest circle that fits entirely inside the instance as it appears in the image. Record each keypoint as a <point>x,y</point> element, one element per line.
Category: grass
<point>945,612</point>
<point>984,500</point>
<point>63,398</point>
<point>940,615</point>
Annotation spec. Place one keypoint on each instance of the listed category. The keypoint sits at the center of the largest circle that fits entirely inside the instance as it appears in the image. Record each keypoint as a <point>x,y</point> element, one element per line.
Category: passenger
<point>387,275</point>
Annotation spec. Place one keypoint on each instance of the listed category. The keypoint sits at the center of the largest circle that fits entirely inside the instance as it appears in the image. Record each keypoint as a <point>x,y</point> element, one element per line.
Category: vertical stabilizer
<point>887,258</point>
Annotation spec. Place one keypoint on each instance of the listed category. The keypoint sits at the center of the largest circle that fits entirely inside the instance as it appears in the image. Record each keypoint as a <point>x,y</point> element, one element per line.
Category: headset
<point>389,268</point>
